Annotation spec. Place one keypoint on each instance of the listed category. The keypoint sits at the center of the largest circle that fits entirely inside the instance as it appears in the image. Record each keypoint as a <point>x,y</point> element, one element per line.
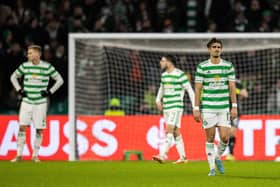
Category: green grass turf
<point>136,173</point>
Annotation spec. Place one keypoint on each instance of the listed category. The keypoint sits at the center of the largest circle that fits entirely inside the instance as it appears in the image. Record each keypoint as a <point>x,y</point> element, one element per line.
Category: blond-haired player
<point>34,91</point>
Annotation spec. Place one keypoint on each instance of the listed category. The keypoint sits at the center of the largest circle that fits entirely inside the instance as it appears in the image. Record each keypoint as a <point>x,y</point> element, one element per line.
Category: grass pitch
<point>136,173</point>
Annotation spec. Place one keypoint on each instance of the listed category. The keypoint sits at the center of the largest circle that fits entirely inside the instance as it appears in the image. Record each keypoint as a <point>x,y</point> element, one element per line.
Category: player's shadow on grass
<point>253,177</point>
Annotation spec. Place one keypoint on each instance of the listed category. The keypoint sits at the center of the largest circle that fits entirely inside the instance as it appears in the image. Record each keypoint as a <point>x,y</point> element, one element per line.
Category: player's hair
<point>214,40</point>
<point>36,48</point>
<point>170,58</point>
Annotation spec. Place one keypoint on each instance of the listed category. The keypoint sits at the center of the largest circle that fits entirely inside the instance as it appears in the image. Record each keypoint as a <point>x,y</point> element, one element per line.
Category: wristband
<point>234,105</point>
<point>196,108</point>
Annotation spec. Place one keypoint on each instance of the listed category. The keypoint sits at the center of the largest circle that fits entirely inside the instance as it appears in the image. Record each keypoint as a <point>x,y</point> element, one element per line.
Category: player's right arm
<point>18,73</point>
<point>196,111</point>
<point>197,93</point>
<point>159,97</point>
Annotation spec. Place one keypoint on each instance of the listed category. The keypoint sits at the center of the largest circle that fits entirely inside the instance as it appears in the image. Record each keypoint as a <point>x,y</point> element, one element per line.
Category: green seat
<point>128,153</point>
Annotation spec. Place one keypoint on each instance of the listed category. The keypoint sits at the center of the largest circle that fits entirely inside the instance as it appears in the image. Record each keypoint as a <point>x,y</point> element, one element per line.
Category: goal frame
<point>72,37</point>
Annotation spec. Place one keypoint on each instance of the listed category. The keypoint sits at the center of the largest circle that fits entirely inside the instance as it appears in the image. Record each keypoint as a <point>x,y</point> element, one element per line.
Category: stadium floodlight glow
<point>100,68</point>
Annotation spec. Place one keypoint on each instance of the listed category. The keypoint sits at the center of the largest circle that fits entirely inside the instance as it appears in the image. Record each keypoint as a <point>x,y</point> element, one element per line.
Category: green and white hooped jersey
<point>173,87</point>
<point>215,80</point>
<point>35,79</point>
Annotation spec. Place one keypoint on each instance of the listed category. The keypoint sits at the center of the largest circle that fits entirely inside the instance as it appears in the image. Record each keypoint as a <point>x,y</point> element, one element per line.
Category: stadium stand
<point>48,22</point>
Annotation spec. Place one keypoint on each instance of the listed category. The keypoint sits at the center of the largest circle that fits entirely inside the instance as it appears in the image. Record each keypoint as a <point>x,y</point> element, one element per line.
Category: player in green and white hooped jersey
<point>214,88</point>
<point>170,97</point>
<point>36,74</point>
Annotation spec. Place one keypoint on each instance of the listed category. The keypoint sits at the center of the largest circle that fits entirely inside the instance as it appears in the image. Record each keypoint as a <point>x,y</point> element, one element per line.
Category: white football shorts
<point>35,113</point>
<point>173,117</point>
<point>211,119</point>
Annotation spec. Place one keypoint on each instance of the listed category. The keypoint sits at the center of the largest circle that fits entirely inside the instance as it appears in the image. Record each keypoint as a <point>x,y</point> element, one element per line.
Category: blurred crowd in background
<point>48,22</point>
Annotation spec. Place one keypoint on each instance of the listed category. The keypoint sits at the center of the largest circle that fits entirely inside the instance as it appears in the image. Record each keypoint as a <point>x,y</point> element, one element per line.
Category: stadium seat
<point>138,153</point>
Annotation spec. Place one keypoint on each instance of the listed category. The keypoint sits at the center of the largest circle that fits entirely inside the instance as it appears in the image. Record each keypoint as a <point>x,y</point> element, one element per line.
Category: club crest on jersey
<point>217,77</point>
<point>167,85</point>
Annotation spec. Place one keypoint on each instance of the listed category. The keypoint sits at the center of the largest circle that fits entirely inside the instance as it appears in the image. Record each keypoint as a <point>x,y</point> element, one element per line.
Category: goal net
<point>122,70</point>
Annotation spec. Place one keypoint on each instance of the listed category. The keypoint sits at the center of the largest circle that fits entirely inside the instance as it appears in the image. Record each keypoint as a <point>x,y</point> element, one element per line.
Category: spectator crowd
<point>48,22</point>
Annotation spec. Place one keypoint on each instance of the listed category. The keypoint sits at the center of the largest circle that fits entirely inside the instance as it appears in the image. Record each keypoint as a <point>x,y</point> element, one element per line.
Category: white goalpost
<point>125,66</point>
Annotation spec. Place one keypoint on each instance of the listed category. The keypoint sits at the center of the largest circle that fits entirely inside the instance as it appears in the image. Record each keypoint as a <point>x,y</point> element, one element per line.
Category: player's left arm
<point>187,86</point>
<point>58,80</point>
<point>232,93</point>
